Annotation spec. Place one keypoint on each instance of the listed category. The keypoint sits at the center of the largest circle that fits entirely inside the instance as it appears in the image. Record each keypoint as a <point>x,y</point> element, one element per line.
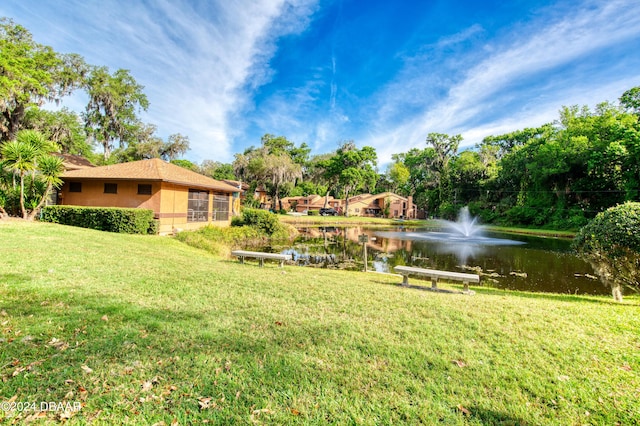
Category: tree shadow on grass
<point>491,417</point>
<point>14,279</point>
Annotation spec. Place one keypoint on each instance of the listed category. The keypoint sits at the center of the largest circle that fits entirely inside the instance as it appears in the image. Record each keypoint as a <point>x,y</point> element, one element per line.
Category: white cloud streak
<point>531,53</point>
<point>199,61</point>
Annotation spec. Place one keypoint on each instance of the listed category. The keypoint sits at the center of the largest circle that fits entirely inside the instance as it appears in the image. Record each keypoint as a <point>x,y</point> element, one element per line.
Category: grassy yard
<point>144,329</point>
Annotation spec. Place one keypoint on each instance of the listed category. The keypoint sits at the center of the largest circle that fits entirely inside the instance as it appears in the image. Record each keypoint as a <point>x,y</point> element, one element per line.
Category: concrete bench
<point>435,275</point>
<point>241,254</point>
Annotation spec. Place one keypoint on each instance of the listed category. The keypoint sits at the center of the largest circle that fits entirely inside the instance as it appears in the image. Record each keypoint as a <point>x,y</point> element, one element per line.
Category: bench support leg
<point>241,258</point>
<point>466,286</point>
<point>261,262</point>
<point>434,282</point>
<point>405,280</point>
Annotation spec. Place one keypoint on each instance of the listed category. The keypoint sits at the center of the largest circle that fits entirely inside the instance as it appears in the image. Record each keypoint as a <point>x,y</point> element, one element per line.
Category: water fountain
<point>463,238</point>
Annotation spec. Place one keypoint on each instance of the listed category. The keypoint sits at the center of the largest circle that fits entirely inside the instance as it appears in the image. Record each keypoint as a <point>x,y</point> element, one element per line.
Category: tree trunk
<point>107,151</point>
<point>326,199</point>
<point>35,211</point>
<point>24,211</point>
<point>616,291</point>
<point>13,118</point>
<point>3,212</point>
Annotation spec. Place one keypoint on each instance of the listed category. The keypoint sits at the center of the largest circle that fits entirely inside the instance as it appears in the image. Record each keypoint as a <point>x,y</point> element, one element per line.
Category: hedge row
<point>112,219</point>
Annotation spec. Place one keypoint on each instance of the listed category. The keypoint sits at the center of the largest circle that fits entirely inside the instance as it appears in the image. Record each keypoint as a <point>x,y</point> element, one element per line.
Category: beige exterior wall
<point>93,195</point>
<point>398,206</point>
<point>168,201</point>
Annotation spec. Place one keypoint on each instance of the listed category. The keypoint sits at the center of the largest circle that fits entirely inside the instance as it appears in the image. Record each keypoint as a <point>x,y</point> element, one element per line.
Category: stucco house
<point>180,198</point>
<point>310,202</point>
<point>374,205</point>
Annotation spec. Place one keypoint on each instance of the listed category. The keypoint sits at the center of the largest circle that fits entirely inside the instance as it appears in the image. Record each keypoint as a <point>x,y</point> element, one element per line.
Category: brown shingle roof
<point>154,170</point>
<point>74,162</point>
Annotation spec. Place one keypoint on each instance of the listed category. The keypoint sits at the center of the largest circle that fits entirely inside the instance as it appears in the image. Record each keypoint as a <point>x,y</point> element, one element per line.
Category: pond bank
<point>374,221</point>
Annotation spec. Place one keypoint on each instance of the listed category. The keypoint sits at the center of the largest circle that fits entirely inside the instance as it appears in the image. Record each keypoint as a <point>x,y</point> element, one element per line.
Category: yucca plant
<point>30,154</point>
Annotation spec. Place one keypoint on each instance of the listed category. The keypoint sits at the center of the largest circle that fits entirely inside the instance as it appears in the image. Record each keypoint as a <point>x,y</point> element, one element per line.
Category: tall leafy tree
<point>398,175</point>
<point>217,170</point>
<point>631,100</point>
<point>270,165</point>
<point>114,101</point>
<point>31,74</point>
<point>63,127</point>
<point>445,147</point>
<point>352,169</point>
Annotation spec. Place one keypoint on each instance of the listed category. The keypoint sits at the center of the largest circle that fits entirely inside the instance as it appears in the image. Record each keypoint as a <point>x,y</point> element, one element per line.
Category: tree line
<point>559,175</point>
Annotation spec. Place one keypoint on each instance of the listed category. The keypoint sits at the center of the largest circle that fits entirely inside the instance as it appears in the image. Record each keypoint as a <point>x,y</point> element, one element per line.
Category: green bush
<point>112,219</point>
<point>237,221</point>
<point>611,243</point>
<point>261,219</point>
<point>313,212</point>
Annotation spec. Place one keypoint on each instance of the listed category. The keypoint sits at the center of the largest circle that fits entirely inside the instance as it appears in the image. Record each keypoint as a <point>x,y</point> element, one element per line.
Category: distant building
<point>386,204</point>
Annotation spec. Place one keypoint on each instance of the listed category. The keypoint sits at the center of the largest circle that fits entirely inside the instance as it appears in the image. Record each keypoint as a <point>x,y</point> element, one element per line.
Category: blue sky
<point>382,73</point>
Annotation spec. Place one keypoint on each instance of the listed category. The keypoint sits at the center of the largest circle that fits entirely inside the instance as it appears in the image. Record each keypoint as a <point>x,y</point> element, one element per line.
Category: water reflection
<point>508,262</point>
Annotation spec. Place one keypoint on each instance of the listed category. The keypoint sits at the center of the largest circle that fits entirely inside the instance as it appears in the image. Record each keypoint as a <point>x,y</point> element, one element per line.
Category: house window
<point>110,188</point>
<point>198,206</point>
<point>144,189</point>
<point>220,207</point>
<point>75,186</point>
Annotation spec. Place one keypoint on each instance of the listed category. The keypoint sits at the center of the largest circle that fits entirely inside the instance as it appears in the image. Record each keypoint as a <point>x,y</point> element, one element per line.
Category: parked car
<point>328,212</point>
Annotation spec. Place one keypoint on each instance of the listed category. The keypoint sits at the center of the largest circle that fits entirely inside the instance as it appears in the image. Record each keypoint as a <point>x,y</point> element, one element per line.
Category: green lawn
<point>145,329</point>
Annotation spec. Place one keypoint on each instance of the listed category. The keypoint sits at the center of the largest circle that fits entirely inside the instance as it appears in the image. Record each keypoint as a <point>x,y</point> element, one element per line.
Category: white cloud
<point>530,52</point>
<point>199,62</point>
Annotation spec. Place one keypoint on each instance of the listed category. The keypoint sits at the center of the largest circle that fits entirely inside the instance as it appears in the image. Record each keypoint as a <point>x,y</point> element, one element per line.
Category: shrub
<point>112,219</point>
<point>313,213</point>
<point>261,219</point>
<point>611,243</point>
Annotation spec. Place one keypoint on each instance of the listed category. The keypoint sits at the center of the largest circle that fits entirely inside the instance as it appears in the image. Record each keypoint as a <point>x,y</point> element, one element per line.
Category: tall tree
<point>111,114</point>
<point>31,74</point>
<point>445,148</point>
<point>217,170</point>
<point>270,165</point>
<point>398,174</point>
<point>352,168</point>
<point>63,127</point>
<point>631,100</point>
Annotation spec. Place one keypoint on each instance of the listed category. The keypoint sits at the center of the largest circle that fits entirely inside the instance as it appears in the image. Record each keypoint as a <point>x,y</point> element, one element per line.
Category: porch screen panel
<point>198,207</point>
<point>220,207</point>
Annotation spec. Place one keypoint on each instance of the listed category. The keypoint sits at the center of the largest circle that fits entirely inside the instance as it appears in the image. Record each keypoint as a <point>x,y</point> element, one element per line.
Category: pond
<point>504,261</point>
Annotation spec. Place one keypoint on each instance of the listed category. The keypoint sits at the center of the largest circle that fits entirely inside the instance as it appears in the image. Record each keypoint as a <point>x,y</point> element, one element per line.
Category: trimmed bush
<point>261,219</point>
<point>313,213</point>
<point>111,219</point>
<point>611,243</point>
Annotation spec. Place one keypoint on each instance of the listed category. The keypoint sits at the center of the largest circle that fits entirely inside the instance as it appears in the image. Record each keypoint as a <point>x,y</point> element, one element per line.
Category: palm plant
<point>29,153</point>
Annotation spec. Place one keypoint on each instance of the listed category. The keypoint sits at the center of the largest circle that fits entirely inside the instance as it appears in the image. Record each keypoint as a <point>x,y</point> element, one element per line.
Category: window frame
<point>145,192</point>
<point>198,205</point>
<point>112,188</point>
<point>221,206</point>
